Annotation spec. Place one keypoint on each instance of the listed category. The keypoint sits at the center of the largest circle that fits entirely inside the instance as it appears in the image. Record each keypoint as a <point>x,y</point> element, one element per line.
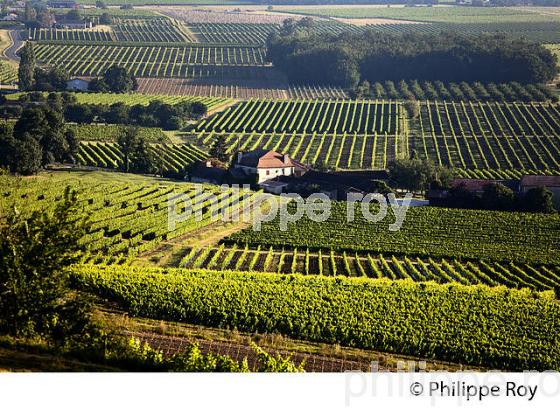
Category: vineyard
<point>354,264</point>
<point>309,116</point>
<point>175,158</point>
<point>122,30</point>
<point>337,151</point>
<point>490,135</point>
<point>128,215</point>
<point>426,232</point>
<point>8,74</point>
<point>240,89</point>
<point>519,327</point>
<point>151,61</point>
<point>457,15</point>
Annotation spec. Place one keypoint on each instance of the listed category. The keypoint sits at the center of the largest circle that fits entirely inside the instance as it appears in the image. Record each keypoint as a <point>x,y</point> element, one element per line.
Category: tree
<point>136,155</point>
<point>47,127</point>
<point>34,252</point>
<point>105,18</point>
<point>363,90</point>
<point>412,109</point>
<point>537,199</point>
<point>74,15</point>
<point>116,79</point>
<point>45,18</point>
<point>50,80</point>
<point>26,67</point>
<point>118,113</point>
<point>79,113</point>
<point>410,174</point>
<point>497,197</point>
<point>27,156</point>
<point>100,5</point>
<point>219,149</point>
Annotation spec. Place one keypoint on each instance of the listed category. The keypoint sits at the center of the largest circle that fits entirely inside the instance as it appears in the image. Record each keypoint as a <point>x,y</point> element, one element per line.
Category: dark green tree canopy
<point>344,60</point>
<point>116,79</point>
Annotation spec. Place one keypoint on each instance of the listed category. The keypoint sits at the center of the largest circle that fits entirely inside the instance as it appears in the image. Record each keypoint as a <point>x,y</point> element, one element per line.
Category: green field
<point>443,14</point>
<point>138,99</point>
<point>110,132</point>
<point>426,231</point>
<point>496,327</point>
<point>129,213</point>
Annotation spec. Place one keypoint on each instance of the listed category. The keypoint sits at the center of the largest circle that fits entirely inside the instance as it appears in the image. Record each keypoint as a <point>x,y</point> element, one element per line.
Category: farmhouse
<point>266,165</point>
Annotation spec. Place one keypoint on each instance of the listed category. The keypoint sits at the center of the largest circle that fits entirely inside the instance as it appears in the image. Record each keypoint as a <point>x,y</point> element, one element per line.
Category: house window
<point>267,172</point>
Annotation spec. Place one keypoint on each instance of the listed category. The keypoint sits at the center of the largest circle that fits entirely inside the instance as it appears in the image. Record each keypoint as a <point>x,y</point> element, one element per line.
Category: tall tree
<point>537,200</point>
<point>219,149</point>
<point>34,252</point>
<point>136,154</point>
<point>26,67</point>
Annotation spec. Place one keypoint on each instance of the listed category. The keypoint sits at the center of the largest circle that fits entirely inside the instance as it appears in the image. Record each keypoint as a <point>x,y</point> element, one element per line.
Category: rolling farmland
<point>471,283</point>
<point>128,216</point>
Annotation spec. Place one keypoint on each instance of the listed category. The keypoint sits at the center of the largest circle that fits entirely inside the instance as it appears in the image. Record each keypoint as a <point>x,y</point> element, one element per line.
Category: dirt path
<point>10,52</point>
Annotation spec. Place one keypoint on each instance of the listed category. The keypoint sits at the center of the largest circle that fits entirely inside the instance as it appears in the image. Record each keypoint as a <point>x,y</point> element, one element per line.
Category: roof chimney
<point>285,158</point>
<point>239,156</point>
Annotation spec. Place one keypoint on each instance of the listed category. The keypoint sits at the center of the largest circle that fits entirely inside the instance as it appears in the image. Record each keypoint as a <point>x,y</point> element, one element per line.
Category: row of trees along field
<point>40,137</point>
<point>347,59</point>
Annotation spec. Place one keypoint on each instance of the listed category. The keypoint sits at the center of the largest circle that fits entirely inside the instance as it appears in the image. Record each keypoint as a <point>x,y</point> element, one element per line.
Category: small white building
<point>77,84</point>
<point>266,165</point>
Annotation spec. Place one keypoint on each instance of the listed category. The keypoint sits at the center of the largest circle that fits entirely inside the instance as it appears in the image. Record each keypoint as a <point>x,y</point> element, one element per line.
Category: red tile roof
<point>540,180</point>
<point>266,159</point>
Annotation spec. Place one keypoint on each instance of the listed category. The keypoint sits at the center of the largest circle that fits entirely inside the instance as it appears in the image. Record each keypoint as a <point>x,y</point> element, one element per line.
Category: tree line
<point>39,137</point>
<point>348,59</point>
<point>418,175</point>
<point>155,114</point>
